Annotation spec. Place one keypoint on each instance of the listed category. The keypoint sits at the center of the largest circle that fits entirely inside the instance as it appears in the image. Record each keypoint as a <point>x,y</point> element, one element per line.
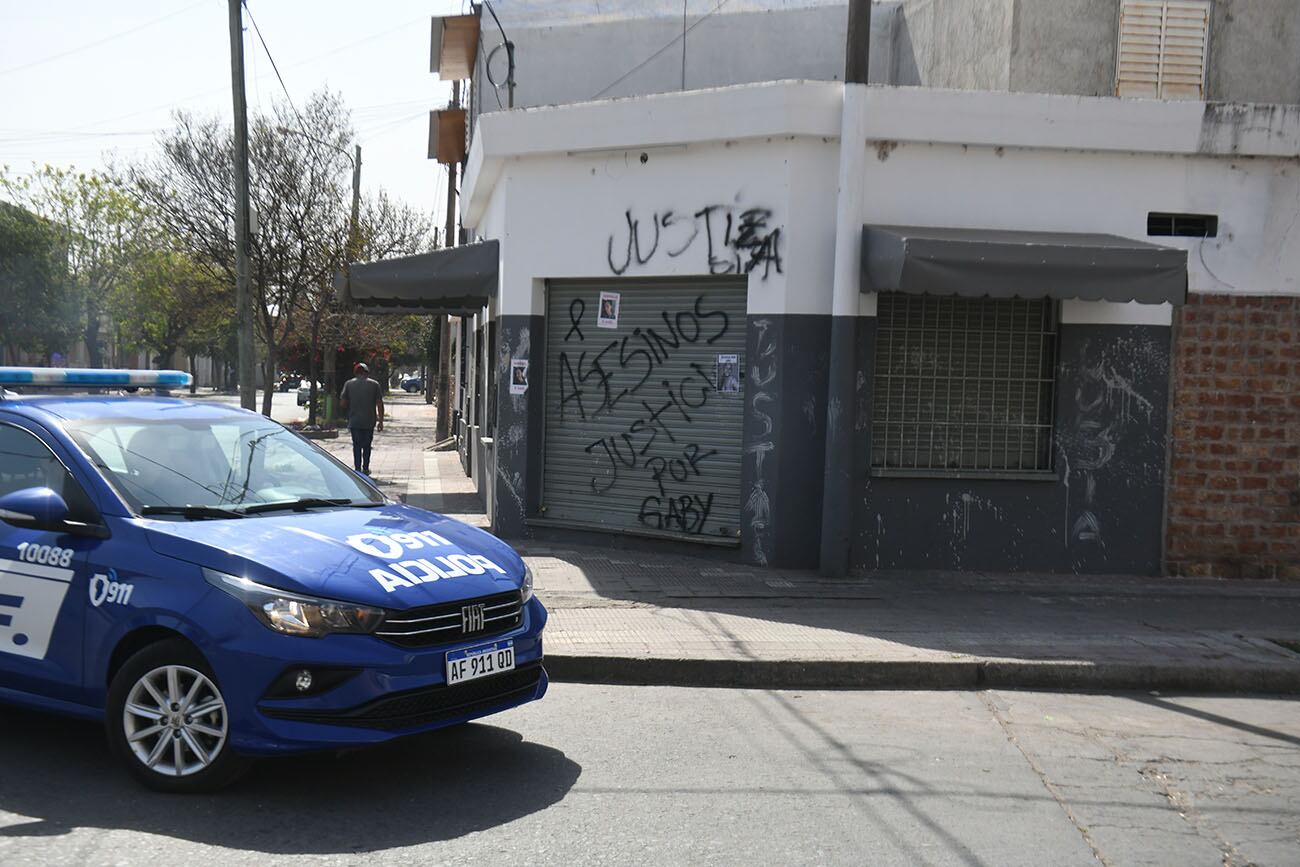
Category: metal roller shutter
<point>643,420</point>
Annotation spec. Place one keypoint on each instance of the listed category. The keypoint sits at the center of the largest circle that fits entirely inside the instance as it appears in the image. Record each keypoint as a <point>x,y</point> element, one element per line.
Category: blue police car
<point>217,588</point>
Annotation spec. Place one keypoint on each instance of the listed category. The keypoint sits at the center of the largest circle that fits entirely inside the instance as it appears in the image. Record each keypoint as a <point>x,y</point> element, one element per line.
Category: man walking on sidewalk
<point>363,401</point>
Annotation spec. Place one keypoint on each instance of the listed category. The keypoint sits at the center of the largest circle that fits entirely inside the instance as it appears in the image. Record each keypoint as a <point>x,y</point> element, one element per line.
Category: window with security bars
<point>963,386</point>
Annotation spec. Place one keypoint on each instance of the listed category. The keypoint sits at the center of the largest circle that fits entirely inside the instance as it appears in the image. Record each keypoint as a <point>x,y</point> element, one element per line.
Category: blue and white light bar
<point>72,377</point>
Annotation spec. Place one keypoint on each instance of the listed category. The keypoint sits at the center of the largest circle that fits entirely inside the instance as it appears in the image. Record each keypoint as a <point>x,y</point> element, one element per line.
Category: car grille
<point>442,624</point>
<point>424,706</point>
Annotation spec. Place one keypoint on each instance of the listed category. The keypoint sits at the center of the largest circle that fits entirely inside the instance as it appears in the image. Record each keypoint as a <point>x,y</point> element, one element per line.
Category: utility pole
<point>243,296</point>
<point>841,396</point>
<point>442,422</point>
<point>354,238</point>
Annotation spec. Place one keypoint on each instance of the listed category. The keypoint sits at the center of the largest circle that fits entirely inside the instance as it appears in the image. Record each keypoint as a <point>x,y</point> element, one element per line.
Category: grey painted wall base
<point>840,449</point>
<point>517,471</point>
<point>786,359</point>
<point>1099,513</point>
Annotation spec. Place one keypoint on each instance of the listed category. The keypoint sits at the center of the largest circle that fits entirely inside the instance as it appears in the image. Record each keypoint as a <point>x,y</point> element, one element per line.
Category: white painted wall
<point>555,184</point>
<point>1257,250</point>
<point>568,217</point>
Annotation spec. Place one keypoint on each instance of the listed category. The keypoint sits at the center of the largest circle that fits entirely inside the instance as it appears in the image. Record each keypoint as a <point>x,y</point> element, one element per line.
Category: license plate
<point>471,663</point>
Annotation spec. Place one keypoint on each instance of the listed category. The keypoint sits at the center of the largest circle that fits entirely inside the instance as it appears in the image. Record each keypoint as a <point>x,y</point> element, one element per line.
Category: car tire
<point>164,747</point>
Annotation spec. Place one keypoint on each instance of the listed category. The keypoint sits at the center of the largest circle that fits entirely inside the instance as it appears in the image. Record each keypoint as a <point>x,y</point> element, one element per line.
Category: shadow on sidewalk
<point>1045,617</point>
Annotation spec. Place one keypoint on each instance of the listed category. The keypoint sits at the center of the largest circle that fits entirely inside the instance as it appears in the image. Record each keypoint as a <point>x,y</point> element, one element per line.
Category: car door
<point>44,578</point>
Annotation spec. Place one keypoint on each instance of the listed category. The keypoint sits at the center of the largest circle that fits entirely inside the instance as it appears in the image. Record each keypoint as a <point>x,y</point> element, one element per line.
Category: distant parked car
<point>412,384</point>
<point>304,391</point>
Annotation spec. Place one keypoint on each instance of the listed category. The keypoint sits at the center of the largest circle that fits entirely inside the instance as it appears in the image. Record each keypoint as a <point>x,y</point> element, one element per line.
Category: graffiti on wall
<point>657,452</point>
<point>724,239</point>
<point>758,505</point>
<point>1106,403</point>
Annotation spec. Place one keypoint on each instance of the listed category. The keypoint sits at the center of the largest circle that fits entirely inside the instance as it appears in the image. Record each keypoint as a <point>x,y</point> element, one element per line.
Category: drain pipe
<point>837,482</point>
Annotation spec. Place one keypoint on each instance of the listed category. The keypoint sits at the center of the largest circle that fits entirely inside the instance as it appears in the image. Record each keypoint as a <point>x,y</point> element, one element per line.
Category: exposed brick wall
<point>1234,485</point>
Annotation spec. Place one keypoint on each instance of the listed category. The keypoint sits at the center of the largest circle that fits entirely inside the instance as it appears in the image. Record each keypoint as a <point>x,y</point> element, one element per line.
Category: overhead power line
<point>625,76</point>
<point>173,103</point>
<point>97,42</point>
<point>258,30</point>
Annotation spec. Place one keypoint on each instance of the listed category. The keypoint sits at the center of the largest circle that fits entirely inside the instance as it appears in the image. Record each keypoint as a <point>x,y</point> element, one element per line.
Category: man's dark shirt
<point>361,395</point>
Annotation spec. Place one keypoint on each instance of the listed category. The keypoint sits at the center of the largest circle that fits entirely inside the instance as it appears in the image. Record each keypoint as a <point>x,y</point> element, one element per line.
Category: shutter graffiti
<point>637,428</point>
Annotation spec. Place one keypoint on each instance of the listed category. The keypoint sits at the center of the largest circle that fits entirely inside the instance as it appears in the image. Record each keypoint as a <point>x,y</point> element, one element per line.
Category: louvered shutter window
<point>1163,46</point>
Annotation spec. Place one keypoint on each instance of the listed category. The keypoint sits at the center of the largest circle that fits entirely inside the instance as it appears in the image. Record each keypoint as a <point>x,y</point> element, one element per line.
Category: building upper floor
<point>1211,50</point>
<point>570,52</point>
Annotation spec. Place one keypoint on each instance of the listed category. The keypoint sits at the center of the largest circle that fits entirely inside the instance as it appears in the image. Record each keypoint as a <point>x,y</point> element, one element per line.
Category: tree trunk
<point>313,370</point>
<point>194,375</point>
<point>268,380</point>
<point>93,354</point>
<point>330,381</point>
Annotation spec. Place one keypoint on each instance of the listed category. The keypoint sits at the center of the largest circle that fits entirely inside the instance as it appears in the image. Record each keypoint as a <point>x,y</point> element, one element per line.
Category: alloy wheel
<point>175,721</point>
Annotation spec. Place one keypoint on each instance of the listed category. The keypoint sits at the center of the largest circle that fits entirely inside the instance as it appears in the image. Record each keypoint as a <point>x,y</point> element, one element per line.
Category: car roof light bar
<point>72,377</point>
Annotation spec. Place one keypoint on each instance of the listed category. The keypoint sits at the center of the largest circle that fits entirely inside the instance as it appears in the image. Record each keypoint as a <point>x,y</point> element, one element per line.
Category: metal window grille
<point>1182,225</point>
<point>963,385</point>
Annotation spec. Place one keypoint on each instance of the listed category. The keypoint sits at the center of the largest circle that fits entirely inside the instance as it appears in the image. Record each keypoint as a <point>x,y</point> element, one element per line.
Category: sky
<point>80,79</point>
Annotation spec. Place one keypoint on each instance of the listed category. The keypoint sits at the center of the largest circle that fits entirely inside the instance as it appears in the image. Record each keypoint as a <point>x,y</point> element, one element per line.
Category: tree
<point>298,194</point>
<point>38,309</point>
<point>385,229</point>
<point>95,223</point>
<point>167,302</point>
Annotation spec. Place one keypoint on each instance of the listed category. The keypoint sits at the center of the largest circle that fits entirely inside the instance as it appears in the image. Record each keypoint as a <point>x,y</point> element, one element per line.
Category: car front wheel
<point>168,721</point>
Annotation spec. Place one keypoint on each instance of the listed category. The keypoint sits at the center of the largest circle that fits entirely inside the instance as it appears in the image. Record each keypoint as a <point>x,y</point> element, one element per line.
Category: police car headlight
<point>293,614</point>
<point>527,589</point>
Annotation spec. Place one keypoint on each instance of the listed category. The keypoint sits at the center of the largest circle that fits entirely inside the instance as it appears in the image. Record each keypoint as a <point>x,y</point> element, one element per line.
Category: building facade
<point>666,297</point>
<point>1072,318</point>
<point>1215,50</point>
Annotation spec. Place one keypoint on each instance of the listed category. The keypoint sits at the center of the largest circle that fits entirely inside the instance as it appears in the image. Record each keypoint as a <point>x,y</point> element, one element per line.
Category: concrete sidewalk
<point>631,618</point>
<point>628,616</point>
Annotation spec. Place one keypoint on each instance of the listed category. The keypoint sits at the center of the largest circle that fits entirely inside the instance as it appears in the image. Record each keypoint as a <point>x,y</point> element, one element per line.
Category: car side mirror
<point>43,509</point>
<point>33,508</point>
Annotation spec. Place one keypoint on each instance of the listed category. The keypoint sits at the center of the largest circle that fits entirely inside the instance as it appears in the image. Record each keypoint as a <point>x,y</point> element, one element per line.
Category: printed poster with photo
<point>728,374</point>
<point>518,375</point>
<point>608,314</point>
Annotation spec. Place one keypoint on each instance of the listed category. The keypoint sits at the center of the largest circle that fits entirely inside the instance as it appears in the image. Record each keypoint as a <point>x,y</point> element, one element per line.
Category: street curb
<point>936,675</point>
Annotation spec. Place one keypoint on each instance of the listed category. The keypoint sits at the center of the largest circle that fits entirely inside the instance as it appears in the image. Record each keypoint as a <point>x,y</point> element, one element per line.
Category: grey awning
<point>456,280</point>
<point>1003,264</point>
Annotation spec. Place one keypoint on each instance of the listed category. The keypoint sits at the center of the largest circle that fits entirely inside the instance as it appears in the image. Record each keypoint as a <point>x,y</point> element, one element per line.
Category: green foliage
<point>95,222</point>
<point>167,302</point>
<point>38,307</point>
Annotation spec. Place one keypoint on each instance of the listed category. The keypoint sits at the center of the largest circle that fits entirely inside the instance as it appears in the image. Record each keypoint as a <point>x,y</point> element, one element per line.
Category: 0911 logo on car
<point>106,588</point>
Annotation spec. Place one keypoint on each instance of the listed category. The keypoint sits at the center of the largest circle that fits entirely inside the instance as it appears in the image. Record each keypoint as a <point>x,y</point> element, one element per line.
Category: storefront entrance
<point>644,402</point>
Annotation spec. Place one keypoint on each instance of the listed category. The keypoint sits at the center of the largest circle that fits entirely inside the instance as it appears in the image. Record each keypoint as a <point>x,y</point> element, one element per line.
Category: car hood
<point>394,556</point>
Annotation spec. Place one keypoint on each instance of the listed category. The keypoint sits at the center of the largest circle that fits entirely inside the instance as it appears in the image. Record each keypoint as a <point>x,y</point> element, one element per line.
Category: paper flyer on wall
<point>728,374</point>
<point>608,317</point>
<point>518,375</point>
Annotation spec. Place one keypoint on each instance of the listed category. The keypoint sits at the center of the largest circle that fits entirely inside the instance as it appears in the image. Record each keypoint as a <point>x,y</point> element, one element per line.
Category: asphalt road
<point>644,775</point>
<point>284,404</point>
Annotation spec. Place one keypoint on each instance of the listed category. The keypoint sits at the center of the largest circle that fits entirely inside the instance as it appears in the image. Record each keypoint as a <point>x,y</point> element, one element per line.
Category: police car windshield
<point>162,466</point>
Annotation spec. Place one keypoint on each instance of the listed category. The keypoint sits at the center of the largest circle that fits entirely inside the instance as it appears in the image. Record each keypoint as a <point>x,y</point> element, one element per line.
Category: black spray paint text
<point>735,241</point>
<point>642,351</point>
